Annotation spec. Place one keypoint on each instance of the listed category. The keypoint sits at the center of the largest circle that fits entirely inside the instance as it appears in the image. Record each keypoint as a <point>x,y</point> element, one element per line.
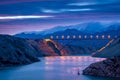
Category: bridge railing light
<point>57,37</point>
<point>103,36</point>
<point>91,36</point>
<point>85,36</point>
<point>74,36</point>
<point>51,37</point>
<point>68,37</point>
<point>63,36</point>
<point>109,36</point>
<point>97,36</point>
<point>79,36</point>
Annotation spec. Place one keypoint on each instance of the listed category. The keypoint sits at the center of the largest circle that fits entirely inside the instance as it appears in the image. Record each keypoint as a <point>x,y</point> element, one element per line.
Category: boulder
<point>107,68</point>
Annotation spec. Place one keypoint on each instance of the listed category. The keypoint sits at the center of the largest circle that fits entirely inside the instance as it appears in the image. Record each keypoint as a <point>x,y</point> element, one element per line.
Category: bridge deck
<point>84,37</point>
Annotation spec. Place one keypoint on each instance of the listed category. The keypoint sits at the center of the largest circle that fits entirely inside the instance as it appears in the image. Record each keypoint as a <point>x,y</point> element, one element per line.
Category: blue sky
<point>37,15</point>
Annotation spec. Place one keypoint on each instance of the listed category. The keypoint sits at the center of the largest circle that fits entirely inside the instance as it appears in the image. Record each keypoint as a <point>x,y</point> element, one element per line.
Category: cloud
<point>82,4</point>
<point>24,17</point>
<point>65,10</point>
<point>85,9</point>
<point>51,11</point>
<point>91,3</point>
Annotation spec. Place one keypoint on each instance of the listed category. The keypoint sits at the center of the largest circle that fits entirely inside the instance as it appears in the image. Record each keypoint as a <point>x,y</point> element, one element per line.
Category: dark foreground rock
<point>106,68</point>
<point>15,51</point>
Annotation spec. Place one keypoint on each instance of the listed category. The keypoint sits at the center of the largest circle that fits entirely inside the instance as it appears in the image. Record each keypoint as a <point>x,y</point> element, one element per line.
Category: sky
<point>37,15</point>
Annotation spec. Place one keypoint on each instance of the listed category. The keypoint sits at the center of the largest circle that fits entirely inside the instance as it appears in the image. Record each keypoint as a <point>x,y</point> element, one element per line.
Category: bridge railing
<point>82,37</point>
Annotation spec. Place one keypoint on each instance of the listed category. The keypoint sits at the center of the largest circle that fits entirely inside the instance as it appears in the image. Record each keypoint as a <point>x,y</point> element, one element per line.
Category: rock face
<point>106,68</point>
<point>15,51</point>
<point>44,48</point>
<point>77,50</point>
<point>19,51</point>
<point>49,47</point>
<point>109,67</point>
<point>110,49</point>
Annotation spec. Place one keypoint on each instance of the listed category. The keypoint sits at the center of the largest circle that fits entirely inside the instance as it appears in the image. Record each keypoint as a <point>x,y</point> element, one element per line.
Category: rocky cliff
<point>76,50</point>
<point>110,49</point>
<point>15,51</point>
<point>106,68</point>
<point>48,47</point>
<point>109,67</point>
<point>45,47</point>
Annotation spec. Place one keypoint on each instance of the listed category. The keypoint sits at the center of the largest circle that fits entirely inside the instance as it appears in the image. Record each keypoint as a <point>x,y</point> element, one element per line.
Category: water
<point>52,68</point>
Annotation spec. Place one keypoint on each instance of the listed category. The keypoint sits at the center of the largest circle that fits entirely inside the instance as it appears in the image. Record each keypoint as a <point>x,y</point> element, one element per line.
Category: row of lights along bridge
<point>82,37</point>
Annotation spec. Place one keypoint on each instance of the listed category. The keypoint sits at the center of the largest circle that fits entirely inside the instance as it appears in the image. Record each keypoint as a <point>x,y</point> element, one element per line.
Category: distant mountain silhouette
<point>84,28</point>
<point>29,35</point>
<point>67,32</point>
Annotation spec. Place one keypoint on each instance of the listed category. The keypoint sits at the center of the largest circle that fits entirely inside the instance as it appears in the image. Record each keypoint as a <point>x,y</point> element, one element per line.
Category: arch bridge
<point>71,38</point>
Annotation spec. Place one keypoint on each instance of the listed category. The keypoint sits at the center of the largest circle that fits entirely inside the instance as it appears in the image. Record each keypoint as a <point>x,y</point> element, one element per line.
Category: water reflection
<point>77,61</point>
<point>52,68</point>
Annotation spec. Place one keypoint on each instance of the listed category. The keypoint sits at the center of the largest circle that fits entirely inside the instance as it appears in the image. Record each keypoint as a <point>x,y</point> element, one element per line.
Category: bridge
<point>81,37</point>
<point>84,37</point>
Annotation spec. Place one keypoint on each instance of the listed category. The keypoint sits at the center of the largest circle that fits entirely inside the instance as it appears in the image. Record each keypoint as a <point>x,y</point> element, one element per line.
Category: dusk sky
<point>37,15</point>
